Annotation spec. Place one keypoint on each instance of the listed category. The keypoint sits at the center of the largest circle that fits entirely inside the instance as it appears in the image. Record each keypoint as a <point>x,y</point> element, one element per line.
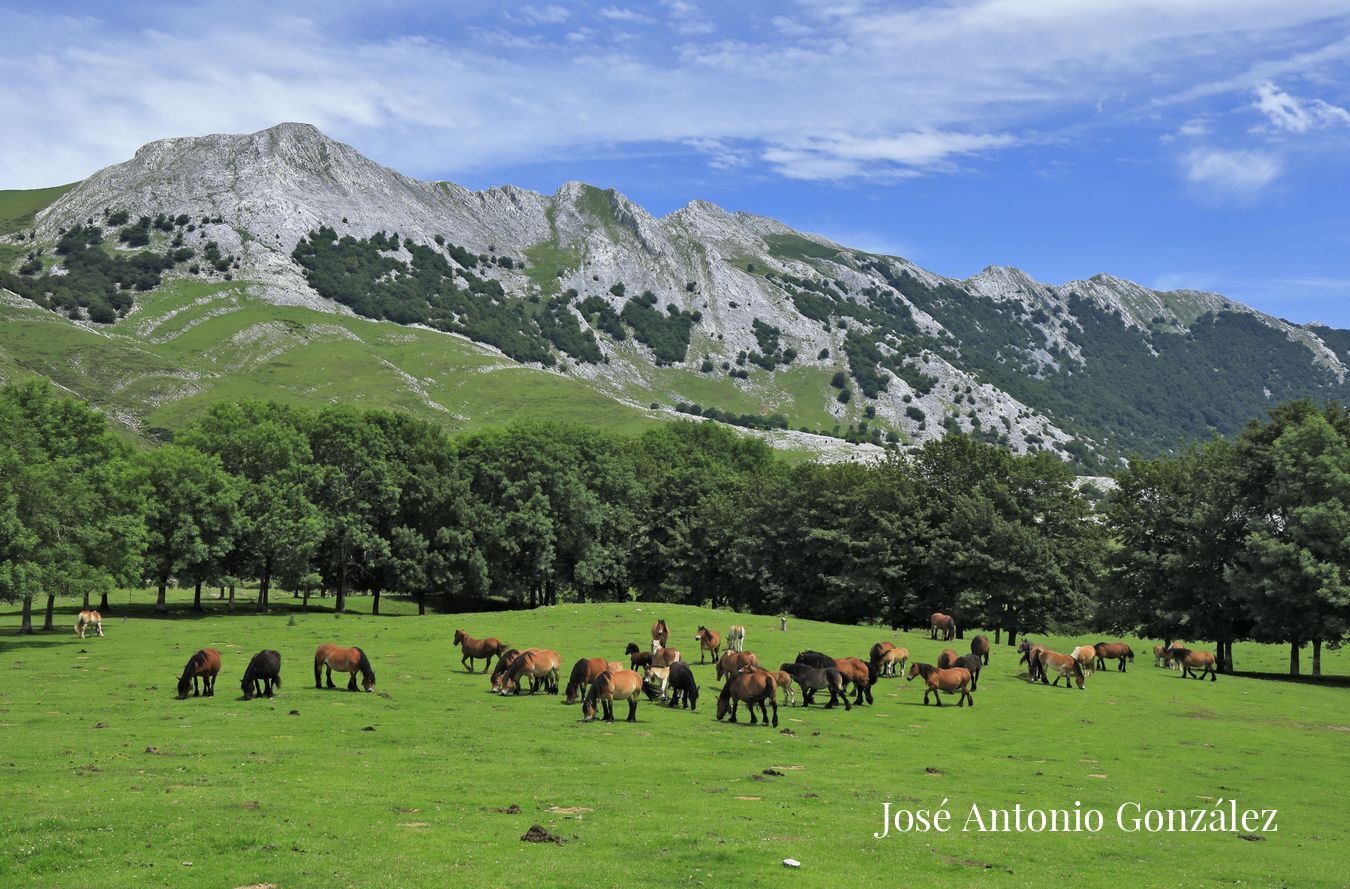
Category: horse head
<point>460,636</point>
<point>367,672</point>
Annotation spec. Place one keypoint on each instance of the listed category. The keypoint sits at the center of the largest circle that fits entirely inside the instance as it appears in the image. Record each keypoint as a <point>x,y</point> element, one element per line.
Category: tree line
<point>1227,540</point>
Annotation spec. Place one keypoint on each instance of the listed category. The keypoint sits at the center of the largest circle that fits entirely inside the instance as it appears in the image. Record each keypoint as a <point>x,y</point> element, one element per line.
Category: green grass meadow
<point>411,786</point>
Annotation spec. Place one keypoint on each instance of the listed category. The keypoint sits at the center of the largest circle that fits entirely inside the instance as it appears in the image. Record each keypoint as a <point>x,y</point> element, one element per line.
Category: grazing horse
<point>1112,651</point>
<point>852,669</point>
<point>972,663</point>
<point>542,664</point>
<point>947,658</point>
<point>1161,657</point>
<point>980,645</point>
<point>937,681</point>
<point>1195,660</point>
<point>1087,656</point>
<point>944,622</point>
<point>813,679</point>
<point>206,664</point>
<point>263,672</point>
<point>660,633</point>
<point>753,686</point>
<point>503,662</point>
<point>1031,656</point>
<point>476,649</point>
<point>784,683</point>
<point>735,661</point>
<point>608,687</point>
<point>1063,666</point>
<point>88,620</point>
<point>889,661</point>
<point>736,638</point>
<point>584,673</point>
<point>708,641</point>
<point>332,657</point>
<point>680,683</point>
<point>816,659</point>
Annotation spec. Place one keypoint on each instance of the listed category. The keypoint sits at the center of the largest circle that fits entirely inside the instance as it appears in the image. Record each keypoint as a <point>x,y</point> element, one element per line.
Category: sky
<point>1178,143</point>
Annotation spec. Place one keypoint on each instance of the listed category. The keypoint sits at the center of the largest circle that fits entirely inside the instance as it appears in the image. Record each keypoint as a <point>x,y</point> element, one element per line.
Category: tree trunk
<point>1012,638</point>
<point>197,597</point>
<point>221,595</point>
<point>997,638</point>
<point>1317,657</point>
<point>26,628</point>
<point>960,632</point>
<point>341,604</point>
<point>86,599</point>
<point>375,606</point>
<point>1293,658</point>
<point>304,603</point>
<point>421,603</point>
<point>161,603</point>
<point>263,583</point>
<point>231,598</point>
<point>47,621</point>
<point>104,606</point>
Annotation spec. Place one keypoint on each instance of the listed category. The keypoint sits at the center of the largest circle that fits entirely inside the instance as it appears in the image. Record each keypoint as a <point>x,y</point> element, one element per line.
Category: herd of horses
<point>263,673</point>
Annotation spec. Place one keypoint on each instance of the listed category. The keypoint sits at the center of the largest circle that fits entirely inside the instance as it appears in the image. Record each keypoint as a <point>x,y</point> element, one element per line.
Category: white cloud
<point>1238,174</point>
<point>545,15</point>
<point>622,14</point>
<point>1294,115</point>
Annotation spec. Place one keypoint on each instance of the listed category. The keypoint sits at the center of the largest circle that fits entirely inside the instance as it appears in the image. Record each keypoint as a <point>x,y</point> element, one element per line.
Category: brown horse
<point>755,687</point>
<point>477,649</point>
<point>947,658</point>
<point>1086,655</point>
<point>852,669</point>
<point>708,641</point>
<point>541,664</point>
<point>608,687</point>
<point>784,683</point>
<point>637,658</point>
<point>660,633</point>
<point>1031,656</point>
<point>1160,657</point>
<point>206,664</point>
<point>944,622</point>
<point>664,657</point>
<point>503,662</point>
<point>980,645</point>
<point>734,661</point>
<point>344,660</point>
<point>88,620</point>
<point>1063,667</point>
<point>1196,660</point>
<point>584,672</point>
<point>956,679</point>
<point>885,659</point>
<point>1109,651</point>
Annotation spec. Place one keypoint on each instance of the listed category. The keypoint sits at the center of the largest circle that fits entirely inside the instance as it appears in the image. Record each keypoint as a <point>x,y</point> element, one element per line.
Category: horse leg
<point>937,696</point>
<point>969,697</point>
<point>1213,674</point>
<point>632,709</point>
<point>1122,665</point>
<point>750,705</point>
<point>351,683</point>
<point>735,705</point>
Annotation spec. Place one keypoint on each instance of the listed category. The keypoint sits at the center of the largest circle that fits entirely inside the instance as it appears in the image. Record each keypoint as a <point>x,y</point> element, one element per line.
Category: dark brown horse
<point>503,662</point>
<point>937,681</point>
<point>206,664</point>
<point>584,672</point>
<point>1109,651</point>
<point>972,663</point>
<point>708,641</point>
<point>754,687</point>
<point>944,623</point>
<point>947,658</point>
<point>332,657</point>
<point>263,672</point>
<point>1191,661</point>
<point>980,645</point>
<point>1031,656</point>
<point>680,685</point>
<point>812,679</point>
<point>637,658</point>
<point>660,633</point>
<point>477,649</point>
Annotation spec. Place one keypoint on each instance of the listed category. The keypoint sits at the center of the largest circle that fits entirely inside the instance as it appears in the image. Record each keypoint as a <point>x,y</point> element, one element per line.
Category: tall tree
<point>190,517</point>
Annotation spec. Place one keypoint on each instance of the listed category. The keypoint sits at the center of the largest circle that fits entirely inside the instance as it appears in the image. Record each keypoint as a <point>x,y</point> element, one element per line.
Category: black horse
<point>971,662</point>
<point>680,683</point>
<point>816,659</point>
<point>263,672</point>
<point>811,679</point>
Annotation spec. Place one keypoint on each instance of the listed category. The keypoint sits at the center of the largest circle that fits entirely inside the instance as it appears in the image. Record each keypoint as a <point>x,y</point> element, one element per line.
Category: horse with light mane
<point>937,680</point>
<point>88,620</point>
<point>344,660</point>
<point>1086,655</point>
<point>478,649</point>
<point>708,641</point>
<point>736,638</point>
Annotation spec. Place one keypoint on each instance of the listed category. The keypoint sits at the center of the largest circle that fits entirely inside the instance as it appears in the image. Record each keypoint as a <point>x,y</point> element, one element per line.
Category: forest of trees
<point>1242,539</point>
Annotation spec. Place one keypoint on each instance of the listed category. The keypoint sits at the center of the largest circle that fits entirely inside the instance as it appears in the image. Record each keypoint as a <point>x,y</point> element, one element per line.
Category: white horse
<point>736,638</point>
<point>88,620</point>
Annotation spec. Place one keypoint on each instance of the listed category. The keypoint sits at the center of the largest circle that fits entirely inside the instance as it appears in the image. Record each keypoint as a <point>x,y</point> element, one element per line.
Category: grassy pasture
<point>405,787</point>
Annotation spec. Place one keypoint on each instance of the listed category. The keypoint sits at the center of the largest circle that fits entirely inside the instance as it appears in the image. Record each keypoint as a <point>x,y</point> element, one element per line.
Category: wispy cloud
<point>1285,112</point>
<point>1238,175</point>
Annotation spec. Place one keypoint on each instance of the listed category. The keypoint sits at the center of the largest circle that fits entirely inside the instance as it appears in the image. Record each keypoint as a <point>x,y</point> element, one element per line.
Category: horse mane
<point>367,671</point>
<point>924,669</point>
<point>578,676</point>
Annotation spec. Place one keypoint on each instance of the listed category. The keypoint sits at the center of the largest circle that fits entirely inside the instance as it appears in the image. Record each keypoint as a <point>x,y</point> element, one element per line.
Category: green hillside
<point>19,206</point>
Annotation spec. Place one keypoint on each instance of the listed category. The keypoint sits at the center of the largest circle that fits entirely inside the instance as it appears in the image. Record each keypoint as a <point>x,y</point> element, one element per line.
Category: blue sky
<point>1178,143</point>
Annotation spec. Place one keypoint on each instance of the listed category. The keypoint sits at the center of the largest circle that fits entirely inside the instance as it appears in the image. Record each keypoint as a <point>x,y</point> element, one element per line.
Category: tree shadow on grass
<point>1332,681</point>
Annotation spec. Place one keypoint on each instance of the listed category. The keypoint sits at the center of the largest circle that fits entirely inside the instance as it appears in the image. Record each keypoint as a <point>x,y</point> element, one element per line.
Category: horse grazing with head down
<point>1109,651</point>
<point>736,638</point>
<point>1191,661</point>
<point>944,623</point>
<point>332,657</point>
<point>478,649</point>
<point>88,620</point>
<point>812,679</point>
<point>937,681</point>
<point>881,661</point>
<point>584,672</point>
<point>539,664</point>
<point>1063,666</point>
<point>708,641</point>
<point>205,664</point>
<point>753,686</point>
<point>608,687</point>
<point>1086,655</point>
<point>980,645</point>
<point>263,672</point>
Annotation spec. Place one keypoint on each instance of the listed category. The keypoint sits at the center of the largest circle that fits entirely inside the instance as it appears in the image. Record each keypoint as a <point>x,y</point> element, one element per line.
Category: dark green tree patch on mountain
<point>603,317</point>
<point>666,335</point>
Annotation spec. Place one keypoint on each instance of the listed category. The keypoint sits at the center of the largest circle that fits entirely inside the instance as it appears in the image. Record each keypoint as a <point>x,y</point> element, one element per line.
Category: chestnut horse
<point>947,658</point>
<point>734,661</point>
<point>542,664</point>
<point>1195,660</point>
<point>1160,658</point>
<point>755,687</point>
<point>584,672</point>
<point>1063,667</point>
<point>503,662</point>
<point>937,680</point>
<point>1107,651</point>
<point>206,664</point>
<point>980,645</point>
<point>332,657</point>
<point>608,687</point>
<point>944,622</point>
<point>477,649</point>
<point>784,683</point>
<point>263,672</point>
<point>708,641</point>
<point>660,633</point>
<point>88,620</point>
<point>736,638</point>
<point>1031,656</point>
<point>852,669</point>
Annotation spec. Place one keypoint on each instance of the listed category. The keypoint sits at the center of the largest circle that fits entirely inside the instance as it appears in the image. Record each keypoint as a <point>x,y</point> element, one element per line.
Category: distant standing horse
<point>625,685</point>
<point>88,620</point>
<point>937,681</point>
<point>736,638</point>
<point>660,634</point>
<point>263,672</point>
<point>1112,651</point>
<point>332,657</point>
<point>943,622</point>
<point>1063,666</point>
<point>478,649</point>
<point>205,664</point>
<point>980,645</point>
<point>732,662</point>
<point>708,641</point>
<point>1195,660</point>
<point>755,687</point>
<point>947,658</point>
